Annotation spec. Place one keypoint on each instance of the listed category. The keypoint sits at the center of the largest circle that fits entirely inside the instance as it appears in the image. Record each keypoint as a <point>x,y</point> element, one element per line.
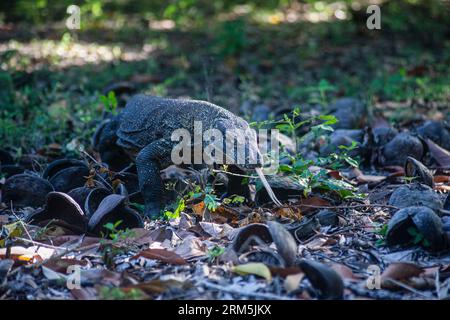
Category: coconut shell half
<point>112,209</point>
<point>60,209</point>
<point>25,190</point>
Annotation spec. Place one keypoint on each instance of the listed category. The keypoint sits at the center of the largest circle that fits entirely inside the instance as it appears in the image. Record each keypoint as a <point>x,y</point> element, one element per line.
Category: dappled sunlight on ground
<point>58,54</point>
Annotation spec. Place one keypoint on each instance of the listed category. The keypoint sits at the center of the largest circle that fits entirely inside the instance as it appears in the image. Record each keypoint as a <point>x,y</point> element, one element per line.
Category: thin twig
<point>411,289</point>
<point>58,256</point>
<point>233,174</point>
<point>39,244</point>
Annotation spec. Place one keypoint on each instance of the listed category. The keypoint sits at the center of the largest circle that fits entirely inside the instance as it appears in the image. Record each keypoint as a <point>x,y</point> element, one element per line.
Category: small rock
<point>343,137</point>
<point>383,135</point>
<point>416,195</point>
<point>261,112</point>
<point>437,131</point>
<point>25,190</point>
<point>396,151</point>
<point>284,187</point>
<point>349,112</point>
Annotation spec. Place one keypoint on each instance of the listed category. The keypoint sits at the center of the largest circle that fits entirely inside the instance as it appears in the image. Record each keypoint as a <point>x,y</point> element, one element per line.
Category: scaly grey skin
<point>145,128</point>
<point>104,142</point>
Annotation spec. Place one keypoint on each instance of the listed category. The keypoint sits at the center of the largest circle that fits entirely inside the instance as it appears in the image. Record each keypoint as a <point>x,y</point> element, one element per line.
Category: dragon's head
<point>239,145</point>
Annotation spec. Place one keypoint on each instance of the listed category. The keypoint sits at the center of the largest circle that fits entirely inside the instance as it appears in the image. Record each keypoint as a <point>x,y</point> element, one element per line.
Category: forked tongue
<point>267,187</point>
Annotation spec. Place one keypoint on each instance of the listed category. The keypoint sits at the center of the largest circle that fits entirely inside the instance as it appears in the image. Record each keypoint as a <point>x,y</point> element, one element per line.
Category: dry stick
<point>251,294</point>
<point>3,297</point>
<point>126,168</point>
<point>39,244</point>
<point>233,174</point>
<point>67,251</point>
<point>411,289</point>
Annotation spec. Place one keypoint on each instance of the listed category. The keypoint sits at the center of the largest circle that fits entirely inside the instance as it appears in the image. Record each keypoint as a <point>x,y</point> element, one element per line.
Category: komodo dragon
<point>143,129</point>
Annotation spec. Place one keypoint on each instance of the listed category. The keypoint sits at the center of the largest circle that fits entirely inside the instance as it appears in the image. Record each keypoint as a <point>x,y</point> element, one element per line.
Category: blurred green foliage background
<point>283,53</point>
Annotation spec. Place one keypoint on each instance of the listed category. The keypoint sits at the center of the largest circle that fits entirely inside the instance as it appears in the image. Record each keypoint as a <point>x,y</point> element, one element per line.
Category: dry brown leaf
<point>441,179</point>
<point>335,174</point>
<point>157,286</point>
<point>140,236</point>
<point>227,212</point>
<point>191,247</point>
<point>316,243</point>
<point>306,204</point>
<point>66,240</point>
<point>289,212</point>
<point>344,271</point>
<point>61,265</point>
<point>367,178</point>
<point>161,255</point>
<point>216,230</point>
<point>284,272</point>
<point>400,271</point>
<point>198,208</point>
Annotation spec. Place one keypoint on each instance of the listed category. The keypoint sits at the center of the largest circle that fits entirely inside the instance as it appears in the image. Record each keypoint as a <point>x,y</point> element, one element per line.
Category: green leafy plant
<point>417,237</point>
<point>210,199</point>
<point>215,252</point>
<point>234,199</point>
<point>341,159</point>
<point>113,293</point>
<point>110,102</point>
<point>299,169</point>
<point>168,215</point>
<point>409,179</point>
<point>207,195</point>
<point>116,234</point>
<point>112,248</point>
<point>231,38</point>
<point>382,231</point>
<point>310,181</point>
<point>318,93</point>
